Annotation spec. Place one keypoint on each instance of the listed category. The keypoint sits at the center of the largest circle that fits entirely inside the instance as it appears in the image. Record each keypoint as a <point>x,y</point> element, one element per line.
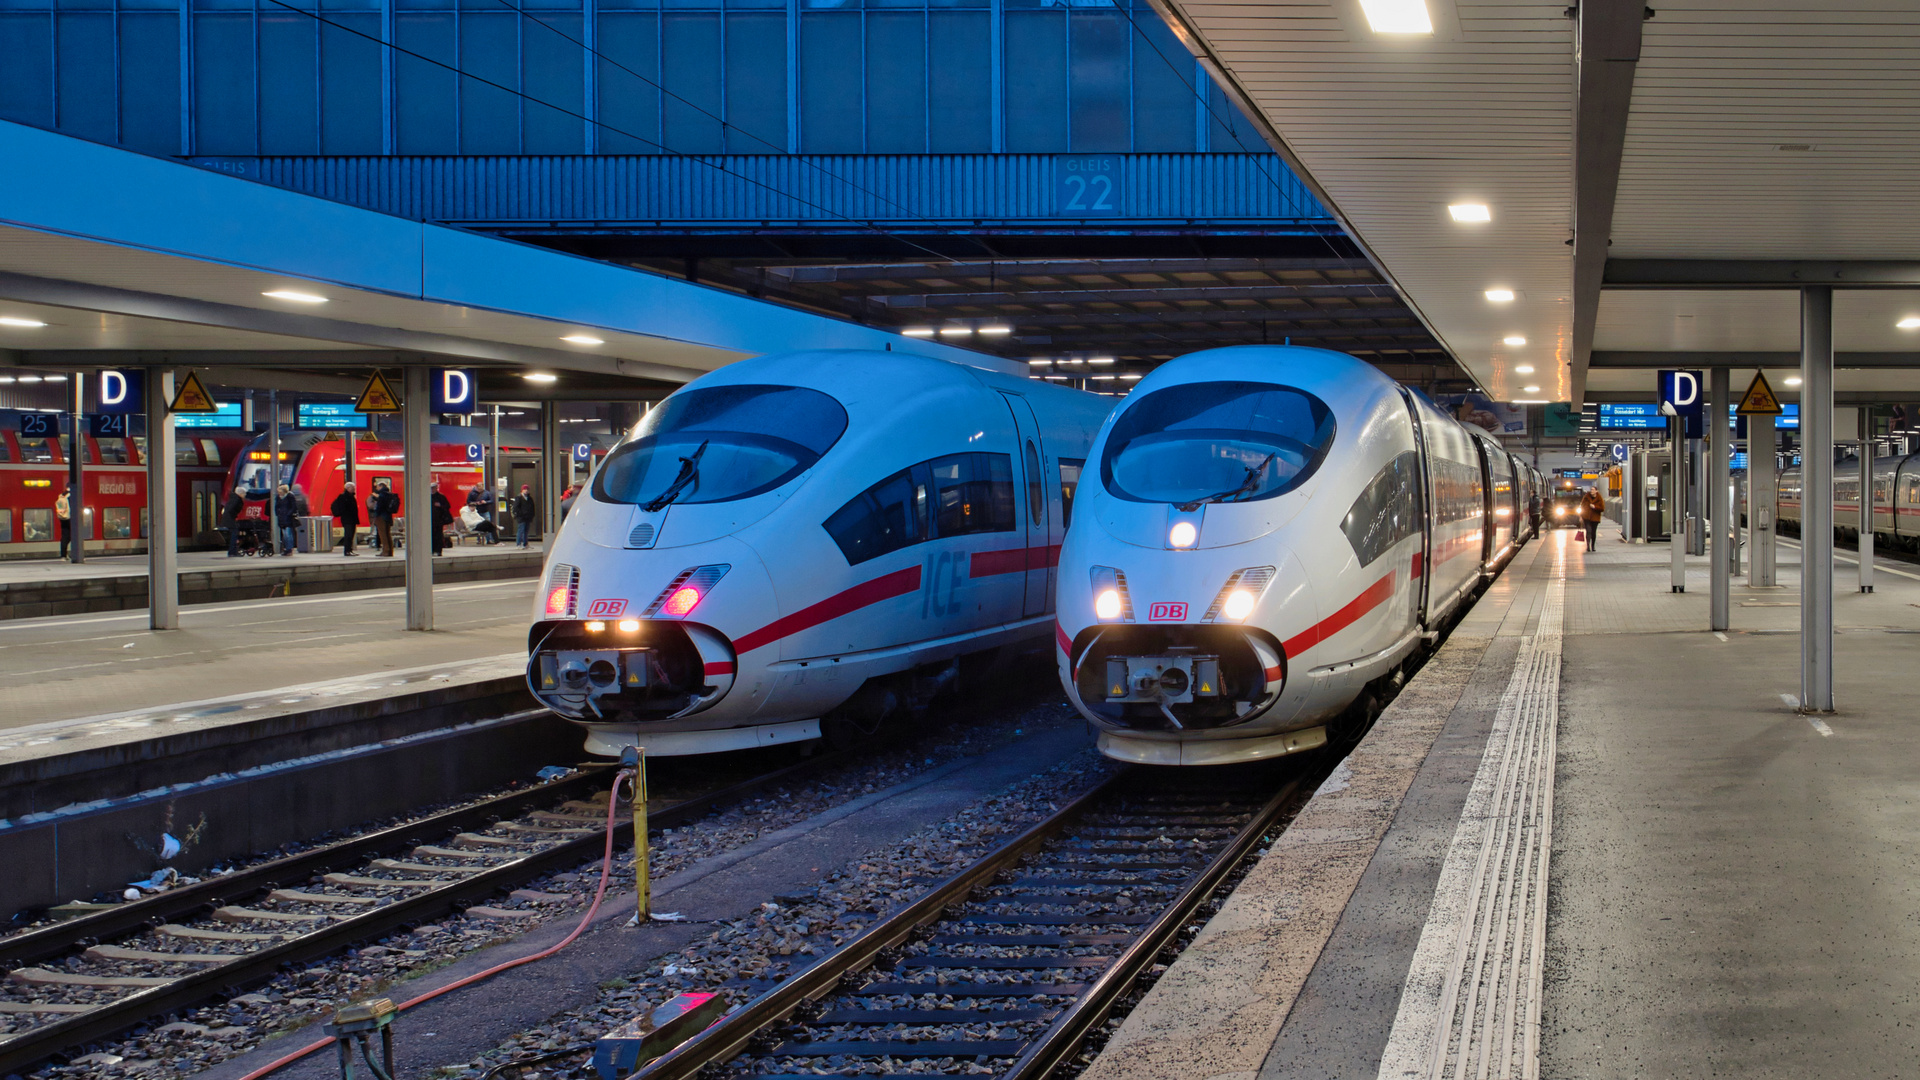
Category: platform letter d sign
<point>453,390</point>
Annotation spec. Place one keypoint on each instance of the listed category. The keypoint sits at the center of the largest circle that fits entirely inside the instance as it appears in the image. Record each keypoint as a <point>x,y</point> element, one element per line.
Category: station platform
<point>30,588</point>
<point>1590,839</point>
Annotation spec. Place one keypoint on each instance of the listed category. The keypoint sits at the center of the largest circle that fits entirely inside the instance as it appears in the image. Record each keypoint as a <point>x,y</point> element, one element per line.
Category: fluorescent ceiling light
<point>1397,16</point>
<point>1057,378</point>
<point>1793,380</point>
<point>955,331</point>
<point>295,297</point>
<point>1470,212</point>
<point>1129,378</point>
<point>918,331</point>
<point>1911,322</point>
<point>1101,360</point>
<point>1073,361</point>
<point>1524,369</point>
<point>56,378</point>
<point>1513,339</point>
<point>996,330</point>
<point>1500,296</point>
<point>1530,401</point>
<point>1039,363</point>
<point>29,378</point>
<point>1103,376</point>
<point>582,339</point>
<point>5,380</point>
<point>15,320</point>
<point>539,376</point>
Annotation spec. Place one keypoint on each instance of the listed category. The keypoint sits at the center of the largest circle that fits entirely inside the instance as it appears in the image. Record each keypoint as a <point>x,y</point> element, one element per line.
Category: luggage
<point>1580,536</point>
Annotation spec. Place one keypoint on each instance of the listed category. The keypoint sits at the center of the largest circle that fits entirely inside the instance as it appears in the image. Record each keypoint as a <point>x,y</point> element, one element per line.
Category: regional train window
<point>972,493</point>
<point>185,454</point>
<point>1387,511</point>
<point>139,449</point>
<point>6,526</point>
<point>886,517</point>
<point>721,443</point>
<point>6,452</point>
<point>36,525</point>
<point>118,523</point>
<point>113,451</point>
<point>36,451</point>
<point>1069,483</point>
<point>1216,442</point>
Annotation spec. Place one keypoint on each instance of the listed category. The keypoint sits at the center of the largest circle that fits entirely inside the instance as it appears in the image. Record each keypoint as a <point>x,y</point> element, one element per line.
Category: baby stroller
<point>254,539</point>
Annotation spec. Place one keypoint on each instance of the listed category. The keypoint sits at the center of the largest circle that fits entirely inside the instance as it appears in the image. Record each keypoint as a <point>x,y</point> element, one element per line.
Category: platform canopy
<point>1658,180</point>
<point>124,259</point>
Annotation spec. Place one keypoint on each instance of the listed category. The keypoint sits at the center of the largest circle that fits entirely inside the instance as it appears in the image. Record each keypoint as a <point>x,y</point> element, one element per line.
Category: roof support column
<point>1719,511</point>
<point>1866,498</point>
<point>163,563</point>
<point>1816,498</point>
<point>1678,527</point>
<point>417,436</point>
<point>1763,500</point>
<point>77,508</point>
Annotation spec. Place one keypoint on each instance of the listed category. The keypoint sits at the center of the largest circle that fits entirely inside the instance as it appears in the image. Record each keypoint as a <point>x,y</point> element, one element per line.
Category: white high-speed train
<point>818,534</point>
<point>1265,534</point>
<point>1896,499</point>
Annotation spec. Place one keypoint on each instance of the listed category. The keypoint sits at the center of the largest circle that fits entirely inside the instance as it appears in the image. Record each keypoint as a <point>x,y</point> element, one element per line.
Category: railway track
<point>97,976</point>
<point>1014,961</point>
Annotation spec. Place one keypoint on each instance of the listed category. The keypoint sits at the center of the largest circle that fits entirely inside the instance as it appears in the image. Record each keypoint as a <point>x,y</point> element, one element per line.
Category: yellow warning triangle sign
<point>1760,399</point>
<point>378,396</point>
<point>193,397</point>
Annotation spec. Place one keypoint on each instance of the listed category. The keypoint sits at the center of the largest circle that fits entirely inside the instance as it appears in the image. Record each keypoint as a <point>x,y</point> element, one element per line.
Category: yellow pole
<point>644,905</point>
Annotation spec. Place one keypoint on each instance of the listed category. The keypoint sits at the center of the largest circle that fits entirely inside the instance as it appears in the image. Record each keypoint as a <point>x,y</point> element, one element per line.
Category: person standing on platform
<point>522,515</point>
<point>286,519</point>
<point>1533,512</point>
<point>1592,509</point>
<point>442,517</point>
<point>301,507</point>
<point>236,506</point>
<point>63,509</point>
<point>346,507</point>
<point>383,504</point>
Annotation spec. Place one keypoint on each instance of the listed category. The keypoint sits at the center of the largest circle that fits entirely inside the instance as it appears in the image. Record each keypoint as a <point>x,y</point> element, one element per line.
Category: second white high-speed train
<point>1264,534</point>
<point>819,534</point>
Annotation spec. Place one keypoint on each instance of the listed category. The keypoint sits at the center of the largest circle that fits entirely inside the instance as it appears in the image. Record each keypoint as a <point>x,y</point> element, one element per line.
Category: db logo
<point>1167,613</point>
<point>607,607</point>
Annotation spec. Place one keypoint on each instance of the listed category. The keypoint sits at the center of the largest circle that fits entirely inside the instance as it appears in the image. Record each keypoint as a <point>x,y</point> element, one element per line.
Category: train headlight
<point>629,626</point>
<point>1239,604</point>
<point>1107,604</point>
<point>596,627</point>
<point>1182,535</point>
<point>1110,600</point>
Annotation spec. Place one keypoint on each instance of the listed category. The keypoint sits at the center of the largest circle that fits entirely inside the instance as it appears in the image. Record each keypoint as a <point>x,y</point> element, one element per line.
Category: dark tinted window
<point>948,496</point>
<point>36,451</point>
<point>1387,512</point>
<point>1228,441</point>
<point>1036,488</point>
<point>1069,482</point>
<point>886,517</point>
<point>972,493</point>
<point>756,438</point>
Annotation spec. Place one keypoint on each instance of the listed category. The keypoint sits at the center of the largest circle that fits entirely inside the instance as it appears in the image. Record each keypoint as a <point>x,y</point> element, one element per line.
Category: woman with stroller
<point>286,515</point>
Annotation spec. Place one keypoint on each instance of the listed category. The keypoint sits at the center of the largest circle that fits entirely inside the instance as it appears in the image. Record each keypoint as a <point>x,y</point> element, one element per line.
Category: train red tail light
<point>682,601</point>
<point>685,591</point>
<point>557,600</point>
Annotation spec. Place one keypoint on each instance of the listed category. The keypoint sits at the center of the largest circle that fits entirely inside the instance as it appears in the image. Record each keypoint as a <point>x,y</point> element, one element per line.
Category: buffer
<point>1759,399</point>
<point>378,397</point>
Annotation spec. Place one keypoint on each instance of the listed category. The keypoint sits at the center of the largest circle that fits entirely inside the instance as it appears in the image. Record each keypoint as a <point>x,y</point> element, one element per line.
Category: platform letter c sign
<point>122,392</point>
<point>453,390</point>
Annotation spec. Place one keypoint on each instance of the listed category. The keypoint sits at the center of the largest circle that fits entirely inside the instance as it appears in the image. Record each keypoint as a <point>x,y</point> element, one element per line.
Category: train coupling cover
<point>594,671</point>
<point>1162,680</point>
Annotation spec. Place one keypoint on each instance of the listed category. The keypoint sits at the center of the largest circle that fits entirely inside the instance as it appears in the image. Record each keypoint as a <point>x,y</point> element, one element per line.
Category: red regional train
<point>33,472</point>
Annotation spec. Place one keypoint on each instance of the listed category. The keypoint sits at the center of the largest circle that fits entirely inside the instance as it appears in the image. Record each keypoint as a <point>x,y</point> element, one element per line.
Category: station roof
<point>129,259</point>
<point>1658,180</point>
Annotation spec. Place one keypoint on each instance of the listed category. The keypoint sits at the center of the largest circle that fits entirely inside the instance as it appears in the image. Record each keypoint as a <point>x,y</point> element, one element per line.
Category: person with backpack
<point>522,515</point>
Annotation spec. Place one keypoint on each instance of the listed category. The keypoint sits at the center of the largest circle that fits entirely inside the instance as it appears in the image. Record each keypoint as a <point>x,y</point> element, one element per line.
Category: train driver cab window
<point>1387,512</point>
<point>888,516</point>
<point>1069,483</point>
<point>37,451</point>
<point>1216,442</point>
<point>720,443</point>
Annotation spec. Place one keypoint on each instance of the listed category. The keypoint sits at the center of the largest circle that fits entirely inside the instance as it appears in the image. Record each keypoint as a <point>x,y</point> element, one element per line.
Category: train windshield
<point>255,476</point>
<point>720,443</point>
<point>1216,442</point>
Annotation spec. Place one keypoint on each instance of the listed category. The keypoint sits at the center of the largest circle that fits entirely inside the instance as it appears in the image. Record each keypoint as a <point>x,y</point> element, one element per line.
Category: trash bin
<point>316,534</point>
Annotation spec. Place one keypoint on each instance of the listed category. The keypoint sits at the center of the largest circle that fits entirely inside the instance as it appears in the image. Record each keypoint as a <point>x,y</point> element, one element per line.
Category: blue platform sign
<point>1630,416</point>
<point>455,390</point>
<point>475,451</point>
<point>582,451</point>
<point>1618,452</point>
<point>228,416</point>
<point>39,425</point>
<point>123,392</point>
<point>1681,389</point>
<point>1086,185</point>
<point>330,416</point>
<point>107,425</point>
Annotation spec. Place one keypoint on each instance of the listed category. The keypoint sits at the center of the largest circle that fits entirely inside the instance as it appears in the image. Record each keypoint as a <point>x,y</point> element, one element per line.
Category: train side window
<point>36,525</point>
<point>888,516</point>
<point>1069,483</point>
<point>1913,490</point>
<point>86,450</point>
<point>1036,488</point>
<point>972,493</point>
<point>36,451</point>
<point>117,522</point>
<point>6,450</point>
<point>112,451</point>
<point>185,454</point>
<point>139,449</point>
<point>6,526</point>
<point>1386,511</point>
<point>209,452</point>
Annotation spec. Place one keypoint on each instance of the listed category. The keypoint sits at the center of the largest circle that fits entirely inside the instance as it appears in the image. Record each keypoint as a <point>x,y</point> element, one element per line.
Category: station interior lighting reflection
<point>1524,369</point>
<point>582,339</point>
<point>24,323</point>
<point>295,296</point>
<point>995,331</point>
<point>1397,16</point>
<point>540,377</point>
<point>1793,380</point>
<point>956,331</point>
<point>1513,339</point>
<point>1911,322</point>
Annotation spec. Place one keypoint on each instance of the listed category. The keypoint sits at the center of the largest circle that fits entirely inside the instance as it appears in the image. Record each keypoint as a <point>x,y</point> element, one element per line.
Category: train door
<point>1042,551</point>
<point>1423,592</point>
<point>204,526</point>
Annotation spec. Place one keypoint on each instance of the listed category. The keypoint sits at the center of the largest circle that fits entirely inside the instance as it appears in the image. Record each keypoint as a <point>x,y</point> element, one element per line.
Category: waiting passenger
<point>63,509</point>
<point>1592,509</point>
<point>301,507</point>
<point>285,516</point>
<point>481,504</point>
<point>346,507</point>
<point>442,517</point>
<point>382,505</point>
<point>236,506</point>
<point>522,514</point>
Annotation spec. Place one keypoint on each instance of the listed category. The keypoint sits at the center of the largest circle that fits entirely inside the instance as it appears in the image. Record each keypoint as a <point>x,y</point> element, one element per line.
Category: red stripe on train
<point>720,667</point>
<point>1060,637</point>
<point>1376,594</point>
<point>1012,561</point>
<point>898,583</point>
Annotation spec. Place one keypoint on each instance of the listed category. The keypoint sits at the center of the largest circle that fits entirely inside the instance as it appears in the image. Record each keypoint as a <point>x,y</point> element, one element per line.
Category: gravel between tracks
<point>208,1035</point>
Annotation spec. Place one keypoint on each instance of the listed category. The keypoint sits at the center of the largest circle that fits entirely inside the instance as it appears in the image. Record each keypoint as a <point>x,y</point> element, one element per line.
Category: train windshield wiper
<point>1245,489</point>
<point>689,473</point>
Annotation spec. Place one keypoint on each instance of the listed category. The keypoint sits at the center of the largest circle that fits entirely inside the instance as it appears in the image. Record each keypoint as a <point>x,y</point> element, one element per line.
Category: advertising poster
<point>1482,412</point>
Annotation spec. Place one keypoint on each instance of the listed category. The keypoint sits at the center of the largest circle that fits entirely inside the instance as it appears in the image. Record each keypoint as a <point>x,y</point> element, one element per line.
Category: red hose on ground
<point>606,870</point>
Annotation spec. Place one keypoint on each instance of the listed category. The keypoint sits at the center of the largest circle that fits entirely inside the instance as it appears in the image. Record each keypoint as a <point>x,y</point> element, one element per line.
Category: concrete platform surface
<point>1591,839</point>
